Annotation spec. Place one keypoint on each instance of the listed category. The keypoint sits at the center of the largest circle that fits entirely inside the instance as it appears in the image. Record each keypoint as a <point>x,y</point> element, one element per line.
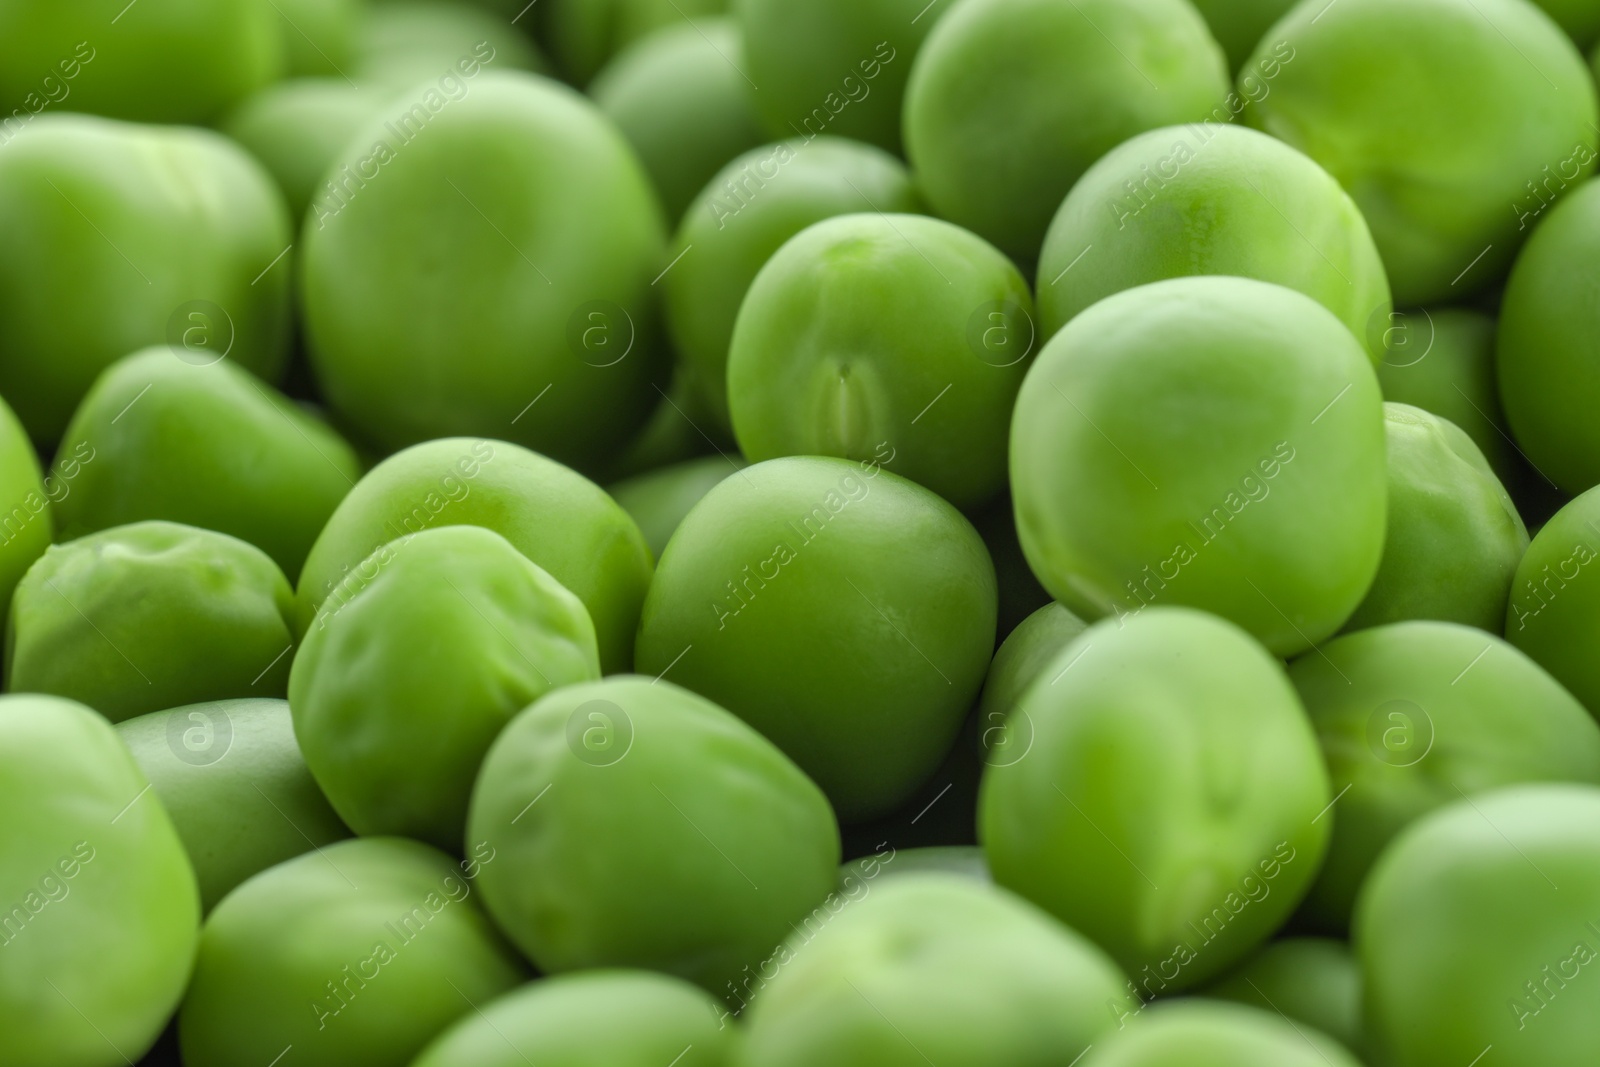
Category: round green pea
<point>1211,199</point>
<point>1416,715</point>
<point>834,66</point>
<point>149,616</point>
<point>26,497</point>
<point>1477,929</point>
<point>1445,120</point>
<point>964,860</point>
<point>400,686</point>
<point>745,214</point>
<point>231,776</point>
<point>1011,101</point>
<point>554,516</point>
<point>1554,611</point>
<point>207,445</point>
<point>98,909</point>
<point>871,329</point>
<point>1454,536</point>
<point>463,220</point>
<point>297,128</point>
<point>658,500</point>
<point>932,968</point>
<point>1017,664</point>
<point>583,35</point>
<point>1206,1034</point>
<point>603,1018</point>
<point>179,61</point>
<point>680,98</point>
<point>115,236</point>
<point>1310,980</point>
<point>360,952</point>
<point>639,825</point>
<point>1168,805</point>
<point>1210,442</point>
<point>1239,25</point>
<point>1549,379</point>
<point>843,611</point>
<point>318,35</point>
<point>402,43</point>
<point>1442,360</point>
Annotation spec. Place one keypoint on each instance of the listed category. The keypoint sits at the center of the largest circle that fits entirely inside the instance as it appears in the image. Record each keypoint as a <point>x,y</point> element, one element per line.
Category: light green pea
<point>744,215</point>
<point>1454,536</point>
<point>1210,442</point>
<point>603,1018</point>
<point>400,687</point>
<point>1010,101</point>
<point>361,952</point>
<point>1021,658</point>
<point>1444,120</point>
<point>208,446</point>
<point>1203,1034</point>
<point>149,616</point>
<point>1168,803</point>
<point>1478,929</point>
<point>232,778</point>
<point>98,909</point>
<point>866,330</point>
<point>554,516</point>
<point>115,236</point>
<point>1310,980</point>
<point>843,611</point>
<point>932,968</point>
<point>681,99</point>
<point>1554,612</point>
<point>639,825</point>
<point>964,860</point>
<point>1212,199</point>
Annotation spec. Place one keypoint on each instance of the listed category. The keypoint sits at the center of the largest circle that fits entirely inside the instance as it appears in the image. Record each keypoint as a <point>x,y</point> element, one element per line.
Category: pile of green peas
<point>758,533</point>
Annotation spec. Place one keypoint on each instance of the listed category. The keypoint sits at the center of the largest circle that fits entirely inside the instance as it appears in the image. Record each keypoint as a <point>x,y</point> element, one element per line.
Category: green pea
<point>114,237</point>
<point>838,66</point>
<point>1169,805</point>
<point>148,616</point>
<point>843,611</point>
<point>932,968</point>
<point>181,62</point>
<point>25,496</point>
<point>1204,1034</point>
<point>1548,381</point>
<point>1554,613</point>
<point>742,217</point>
<point>659,500</point>
<point>318,35</point>
<point>485,227</point>
<point>361,952</point>
<point>1011,101</point>
<point>1444,121</point>
<point>607,1018</point>
<point>1442,360</point>
<point>449,622</point>
<point>640,825</point>
<point>681,99</point>
<point>1210,442</point>
<point>1239,25</point>
<point>583,34</point>
<point>98,909</point>
<point>231,776</point>
<point>1476,929</point>
<point>1031,647</point>
<point>406,42</point>
<point>1211,199</point>
<point>964,860</point>
<point>1310,980</point>
<point>554,516</point>
<point>209,446</point>
<point>865,329</point>
<point>297,128</point>
<point>1416,715</point>
<point>1454,537</point>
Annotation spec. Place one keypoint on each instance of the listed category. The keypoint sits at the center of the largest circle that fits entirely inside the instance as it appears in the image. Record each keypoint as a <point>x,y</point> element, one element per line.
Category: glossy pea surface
<point>1554,611</point>
<point>1199,1034</point>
